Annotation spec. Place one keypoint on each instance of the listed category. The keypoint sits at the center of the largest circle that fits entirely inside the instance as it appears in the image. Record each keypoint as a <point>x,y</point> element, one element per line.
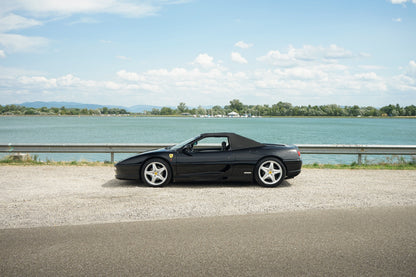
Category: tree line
<point>287,109</point>
<point>278,109</point>
<point>21,110</point>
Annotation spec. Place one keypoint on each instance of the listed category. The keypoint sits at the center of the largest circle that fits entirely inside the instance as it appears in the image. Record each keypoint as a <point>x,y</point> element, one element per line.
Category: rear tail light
<point>298,153</point>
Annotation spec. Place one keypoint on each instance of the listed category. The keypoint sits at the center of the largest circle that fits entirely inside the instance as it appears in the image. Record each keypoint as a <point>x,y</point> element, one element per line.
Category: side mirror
<point>187,149</point>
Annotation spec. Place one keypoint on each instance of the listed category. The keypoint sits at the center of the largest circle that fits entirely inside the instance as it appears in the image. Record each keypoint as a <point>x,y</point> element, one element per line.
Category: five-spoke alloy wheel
<point>270,172</point>
<point>156,173</point>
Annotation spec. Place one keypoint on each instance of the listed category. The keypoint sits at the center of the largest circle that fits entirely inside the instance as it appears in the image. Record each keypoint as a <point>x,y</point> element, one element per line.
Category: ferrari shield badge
<point>171,156</point>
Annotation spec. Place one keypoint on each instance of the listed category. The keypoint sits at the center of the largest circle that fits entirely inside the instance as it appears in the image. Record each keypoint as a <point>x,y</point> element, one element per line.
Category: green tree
<point>182,108</point>
<point>201,111</point>
<point>217,110</point>
<point>410,110</point>
<point>236,105</point>
<point>388,110</point>
<point>62,110</point>
<point>104,110</point>
<point>44,110</point>
<point>166,111</point>
<point>155,111</point>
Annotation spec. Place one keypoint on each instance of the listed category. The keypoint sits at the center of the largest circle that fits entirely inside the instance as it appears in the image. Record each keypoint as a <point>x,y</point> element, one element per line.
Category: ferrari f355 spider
<point>214,157</point>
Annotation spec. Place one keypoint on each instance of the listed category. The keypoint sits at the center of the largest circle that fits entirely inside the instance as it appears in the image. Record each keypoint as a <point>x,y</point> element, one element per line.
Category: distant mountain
<point>74,105</point>
<point>141,108</point>
<point>69,105</point>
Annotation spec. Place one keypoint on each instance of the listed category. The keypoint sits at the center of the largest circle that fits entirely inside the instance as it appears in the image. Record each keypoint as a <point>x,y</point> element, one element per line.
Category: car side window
<point>212,144</point>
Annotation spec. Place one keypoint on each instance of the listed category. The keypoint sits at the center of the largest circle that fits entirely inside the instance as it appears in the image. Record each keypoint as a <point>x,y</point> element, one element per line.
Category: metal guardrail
<point>141,147</point>
<point>339,149</point>
<point>81,148</point>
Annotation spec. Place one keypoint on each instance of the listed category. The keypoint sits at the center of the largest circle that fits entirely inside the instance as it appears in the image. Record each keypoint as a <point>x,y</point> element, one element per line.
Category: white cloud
<point>397,19</point>
<point>204,60</point>
<point>127,8</point>
<point>307,53</point>
<point>52,9</point>
<point>196,86</point>
<point>302,83</point>
<point>371,67</point>
<point>38,81</point>
<point>274,57</point>
<point>411,69</point>
<point>14,73</point>
<point>335,52</point>
<point>111,85</point>
<point>315,82</point>
<point>84,20</point>
<point>367,76</point>
<point>243,45</point>
<point>402,1</point>
<point>236,57</point>
<point>18,43</point>
<point>68,80</point>
<point>129,76</point>
<point>407,80</point>
<point>16,22</point>
<point>124,58</point>
<point>2,54</point>
<point>313,73</point>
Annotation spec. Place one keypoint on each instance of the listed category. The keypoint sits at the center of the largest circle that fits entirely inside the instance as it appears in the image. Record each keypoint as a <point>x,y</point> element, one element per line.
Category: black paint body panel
<point>235,164</point>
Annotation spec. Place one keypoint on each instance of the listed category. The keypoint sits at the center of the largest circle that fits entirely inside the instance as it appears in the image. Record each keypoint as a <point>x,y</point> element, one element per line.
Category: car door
<point>207,161</point>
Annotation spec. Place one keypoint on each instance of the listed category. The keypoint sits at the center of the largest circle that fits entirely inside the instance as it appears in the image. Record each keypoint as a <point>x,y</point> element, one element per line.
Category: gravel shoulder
<point>33,196</point>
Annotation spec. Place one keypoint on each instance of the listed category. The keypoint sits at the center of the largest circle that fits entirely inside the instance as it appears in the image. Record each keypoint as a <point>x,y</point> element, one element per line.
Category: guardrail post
<point>359,159</point>
<point>112,157</point>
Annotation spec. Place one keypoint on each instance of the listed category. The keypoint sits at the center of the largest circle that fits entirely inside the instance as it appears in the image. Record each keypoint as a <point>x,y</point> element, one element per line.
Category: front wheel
<point>156,173</point>
<point>270,172</point>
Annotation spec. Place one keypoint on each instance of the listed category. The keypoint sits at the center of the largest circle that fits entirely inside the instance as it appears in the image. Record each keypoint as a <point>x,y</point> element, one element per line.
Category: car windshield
<point>182,144</point>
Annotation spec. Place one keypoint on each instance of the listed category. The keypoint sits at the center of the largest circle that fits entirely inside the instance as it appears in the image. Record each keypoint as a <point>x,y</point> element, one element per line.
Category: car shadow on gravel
<point>115,183</point>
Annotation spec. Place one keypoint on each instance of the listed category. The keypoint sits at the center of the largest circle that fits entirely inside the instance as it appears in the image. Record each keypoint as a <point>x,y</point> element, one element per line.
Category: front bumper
<point>128,172</point>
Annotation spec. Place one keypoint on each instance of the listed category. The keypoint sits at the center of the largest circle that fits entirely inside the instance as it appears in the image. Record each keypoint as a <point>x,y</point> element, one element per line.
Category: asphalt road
<point>334,242</point>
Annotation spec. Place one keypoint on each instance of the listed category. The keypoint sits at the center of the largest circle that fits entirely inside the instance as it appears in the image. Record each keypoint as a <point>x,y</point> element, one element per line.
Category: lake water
<point>389,131</point>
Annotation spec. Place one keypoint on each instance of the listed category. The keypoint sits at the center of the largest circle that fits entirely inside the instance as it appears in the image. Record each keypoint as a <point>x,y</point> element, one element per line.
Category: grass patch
<point>363,166</point>
<point>391,163</point>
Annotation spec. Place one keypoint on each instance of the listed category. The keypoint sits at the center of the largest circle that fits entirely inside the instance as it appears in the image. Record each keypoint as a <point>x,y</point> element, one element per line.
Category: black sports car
<point>214,157</point>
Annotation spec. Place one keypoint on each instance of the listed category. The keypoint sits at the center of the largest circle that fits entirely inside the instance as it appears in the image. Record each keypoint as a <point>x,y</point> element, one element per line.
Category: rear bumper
<point>293,168</point>
<point>293,174</point>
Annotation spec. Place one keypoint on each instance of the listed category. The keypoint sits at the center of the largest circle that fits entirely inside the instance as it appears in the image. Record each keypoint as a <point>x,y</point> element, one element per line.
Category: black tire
<point>270,172</point>
<point>156,173</point>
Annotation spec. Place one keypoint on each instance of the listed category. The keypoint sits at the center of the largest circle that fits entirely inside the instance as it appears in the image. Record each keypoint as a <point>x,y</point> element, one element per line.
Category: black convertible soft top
<point>236,141</point>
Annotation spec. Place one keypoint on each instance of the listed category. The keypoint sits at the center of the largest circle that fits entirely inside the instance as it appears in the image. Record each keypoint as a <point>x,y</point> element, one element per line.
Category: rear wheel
<point>156,173</point>
<point>270,172</point>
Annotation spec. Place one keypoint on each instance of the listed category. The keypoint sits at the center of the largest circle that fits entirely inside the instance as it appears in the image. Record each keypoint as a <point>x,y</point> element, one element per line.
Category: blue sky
<point>208,52</point>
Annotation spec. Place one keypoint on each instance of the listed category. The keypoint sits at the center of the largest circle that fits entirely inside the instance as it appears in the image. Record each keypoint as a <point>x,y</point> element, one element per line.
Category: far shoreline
<point>206,117</point>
